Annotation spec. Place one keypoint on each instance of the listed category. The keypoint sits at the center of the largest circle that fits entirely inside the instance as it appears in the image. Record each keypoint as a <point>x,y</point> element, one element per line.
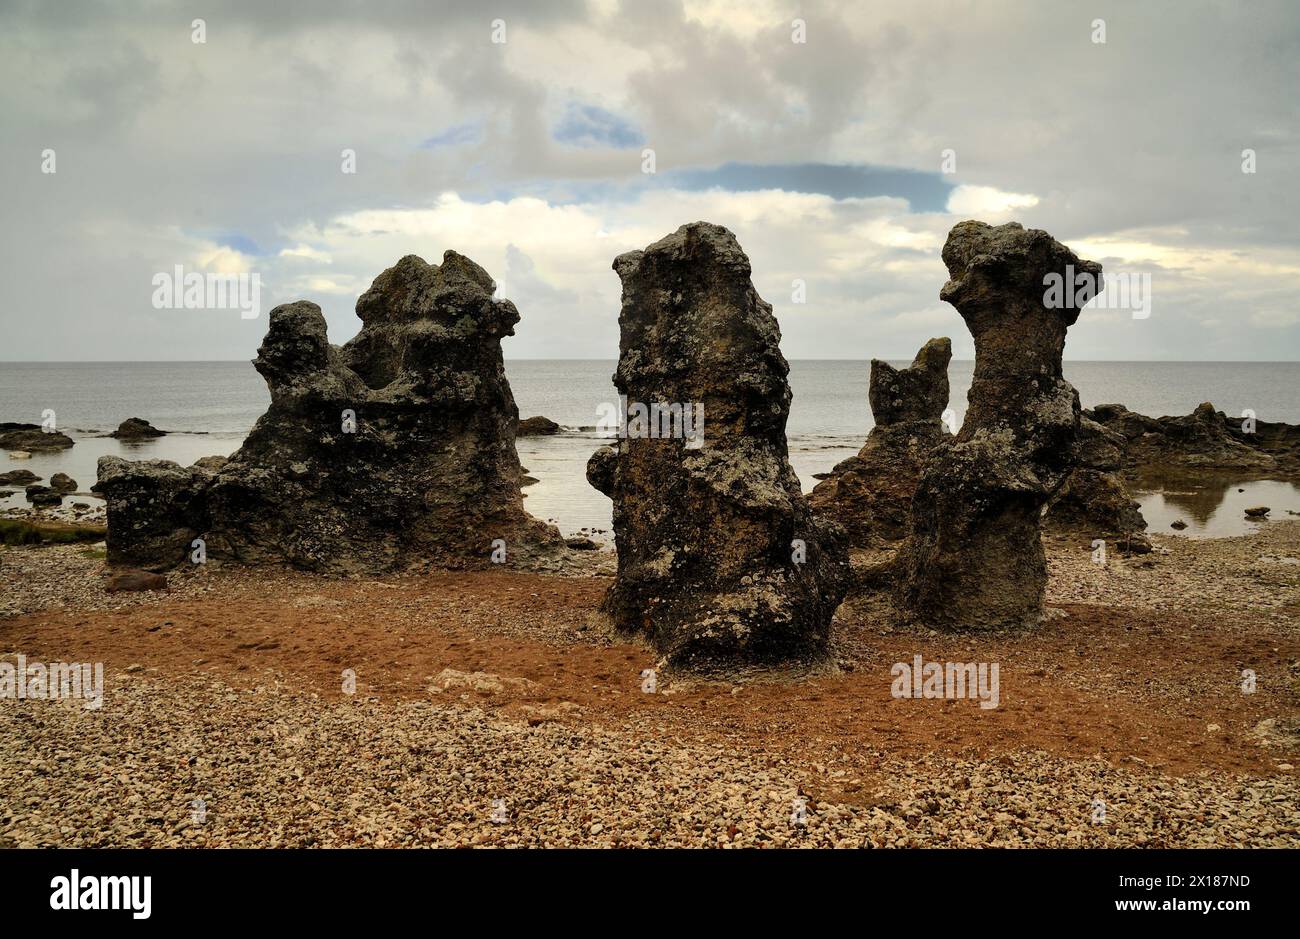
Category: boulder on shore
<point>44,496</point>
<point>62,482</point>
<point>720,559</point>
<point>156,508</point>
<point>18,477</point>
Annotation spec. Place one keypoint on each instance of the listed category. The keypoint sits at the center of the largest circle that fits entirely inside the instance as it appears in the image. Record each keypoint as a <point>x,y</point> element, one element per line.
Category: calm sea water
<point>209,406</point>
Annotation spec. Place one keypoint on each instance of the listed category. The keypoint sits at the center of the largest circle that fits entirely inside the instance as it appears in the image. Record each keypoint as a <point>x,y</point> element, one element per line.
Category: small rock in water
<point>1257,511</point>
<point>18,477</point>
<point>578,543</point>
<point>136,428</point>
<point>62,482</point>
<point>536,427</point>
<point>1178,524</point>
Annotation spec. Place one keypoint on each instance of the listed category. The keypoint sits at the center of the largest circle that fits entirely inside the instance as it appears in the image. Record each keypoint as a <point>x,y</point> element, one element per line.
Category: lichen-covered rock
<point>720,560</point>
<point>395,450</point>
<point>392,451</point>
<point>156,508</point>
<point>974,557</point>
<point>870,494</point>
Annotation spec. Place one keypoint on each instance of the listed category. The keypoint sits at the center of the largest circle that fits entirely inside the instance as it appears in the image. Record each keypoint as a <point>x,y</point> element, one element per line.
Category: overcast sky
<point>825,157</point>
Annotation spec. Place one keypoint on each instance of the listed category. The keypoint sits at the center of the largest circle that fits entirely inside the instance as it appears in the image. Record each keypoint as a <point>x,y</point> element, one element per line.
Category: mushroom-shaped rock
<point>974,556</point>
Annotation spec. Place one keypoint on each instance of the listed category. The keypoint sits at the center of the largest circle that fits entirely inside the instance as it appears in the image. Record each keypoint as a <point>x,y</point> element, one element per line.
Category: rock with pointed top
<point>870,494</point>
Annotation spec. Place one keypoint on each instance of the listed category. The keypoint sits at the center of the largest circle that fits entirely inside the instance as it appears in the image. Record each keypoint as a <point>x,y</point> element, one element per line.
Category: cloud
<point>823,156</point>
<point>988,203</point>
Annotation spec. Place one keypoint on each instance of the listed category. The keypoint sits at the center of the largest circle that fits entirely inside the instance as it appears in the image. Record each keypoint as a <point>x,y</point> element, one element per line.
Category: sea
<point>208,407</point>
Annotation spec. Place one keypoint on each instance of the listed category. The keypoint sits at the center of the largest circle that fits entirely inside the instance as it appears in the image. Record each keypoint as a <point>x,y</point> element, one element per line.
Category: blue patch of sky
<point>924,191</point>
<point>454,136</point>
<point>237,242</point>
<point>588,125</point>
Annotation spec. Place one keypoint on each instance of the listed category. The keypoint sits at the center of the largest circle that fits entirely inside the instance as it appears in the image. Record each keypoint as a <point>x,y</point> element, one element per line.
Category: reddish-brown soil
<point>1133,687</point>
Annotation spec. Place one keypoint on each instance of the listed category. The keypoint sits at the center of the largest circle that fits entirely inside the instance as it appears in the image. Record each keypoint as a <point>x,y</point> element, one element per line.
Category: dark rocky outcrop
<point>536,427</point>
<point>394,450</point>
<point>18,477</point>
<point>974,557</point>
<point>1206,440</point>
<point>708,535</point>
<point>43,496</point>
<point>32,438</point>
<point>137,428</point>
<point>1095,499</point>
<point>63,483</point>
<point>871,494</point>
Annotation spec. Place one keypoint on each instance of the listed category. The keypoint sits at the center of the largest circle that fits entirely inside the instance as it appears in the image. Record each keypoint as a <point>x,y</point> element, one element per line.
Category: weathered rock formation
<point>136,428</point>
<point>394,450</point>
<point>974,558</point>
<point>870,494</point>
<point>720,560</point>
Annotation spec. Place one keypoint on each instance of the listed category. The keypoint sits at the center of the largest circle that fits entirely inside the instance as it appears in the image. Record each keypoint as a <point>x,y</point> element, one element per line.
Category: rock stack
<point>974,557</point>
<point>720,560</point>
<point>871,494</point>
<point>392,451</point>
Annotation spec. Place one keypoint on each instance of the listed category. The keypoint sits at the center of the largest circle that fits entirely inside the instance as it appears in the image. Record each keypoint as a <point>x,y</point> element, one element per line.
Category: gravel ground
<point>276,768</point>
<point>278,760</point>
<point>1256,575</point>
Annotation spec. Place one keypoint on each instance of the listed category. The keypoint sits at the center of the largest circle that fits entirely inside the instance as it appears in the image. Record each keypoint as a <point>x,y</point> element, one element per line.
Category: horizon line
<point>897,358</point>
